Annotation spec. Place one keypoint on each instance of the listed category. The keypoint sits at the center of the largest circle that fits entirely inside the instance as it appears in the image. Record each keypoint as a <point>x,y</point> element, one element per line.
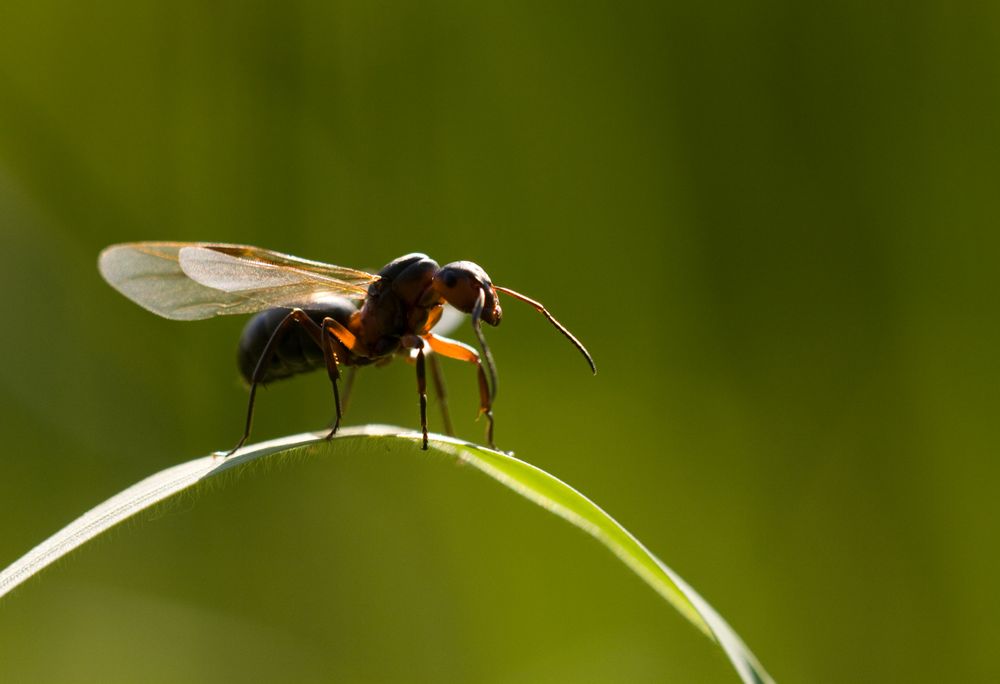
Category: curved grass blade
<point>530,482</point>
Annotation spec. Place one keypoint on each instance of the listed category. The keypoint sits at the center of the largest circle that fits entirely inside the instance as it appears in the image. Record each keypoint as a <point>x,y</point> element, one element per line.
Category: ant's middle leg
<point>414,342</point>
<point>440,391</point>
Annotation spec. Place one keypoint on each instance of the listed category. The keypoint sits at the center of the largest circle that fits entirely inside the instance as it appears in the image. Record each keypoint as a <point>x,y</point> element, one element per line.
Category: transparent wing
<point>195,280</point>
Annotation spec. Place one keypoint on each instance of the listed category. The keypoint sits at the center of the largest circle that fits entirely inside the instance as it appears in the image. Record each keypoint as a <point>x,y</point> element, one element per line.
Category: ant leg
<point>414,342</point>
<point>294,317</point>
<point>442,394</point>
<point>454,349</point>
<point>330,343</point>
<point>422,389</point>
<point>343,335</point>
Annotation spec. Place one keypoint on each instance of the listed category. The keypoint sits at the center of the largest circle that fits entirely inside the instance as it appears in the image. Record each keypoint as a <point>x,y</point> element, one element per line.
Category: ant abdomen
<point>296,352</point>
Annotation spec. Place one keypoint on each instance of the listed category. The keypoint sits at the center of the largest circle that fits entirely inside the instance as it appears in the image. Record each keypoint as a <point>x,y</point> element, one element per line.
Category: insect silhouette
<point>308,314</point>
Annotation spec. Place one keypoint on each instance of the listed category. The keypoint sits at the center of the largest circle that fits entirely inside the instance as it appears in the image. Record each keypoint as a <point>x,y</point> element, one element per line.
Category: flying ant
<point>307,313</point>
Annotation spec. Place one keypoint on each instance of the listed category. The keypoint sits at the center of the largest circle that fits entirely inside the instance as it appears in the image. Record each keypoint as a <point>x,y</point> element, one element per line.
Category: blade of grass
<point>530,482</point>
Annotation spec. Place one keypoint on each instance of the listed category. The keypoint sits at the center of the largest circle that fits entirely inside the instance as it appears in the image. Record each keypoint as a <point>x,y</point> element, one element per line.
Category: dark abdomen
<point>295,352</point>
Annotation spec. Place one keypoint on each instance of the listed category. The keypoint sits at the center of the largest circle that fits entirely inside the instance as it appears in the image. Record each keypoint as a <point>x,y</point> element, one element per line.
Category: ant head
<point>460,284</point>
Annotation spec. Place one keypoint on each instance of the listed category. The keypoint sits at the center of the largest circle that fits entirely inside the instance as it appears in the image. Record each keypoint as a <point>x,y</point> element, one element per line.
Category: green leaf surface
<point>527,480</point>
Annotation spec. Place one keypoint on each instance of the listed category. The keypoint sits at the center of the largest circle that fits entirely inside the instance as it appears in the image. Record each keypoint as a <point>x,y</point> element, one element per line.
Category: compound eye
<point>459,284</point>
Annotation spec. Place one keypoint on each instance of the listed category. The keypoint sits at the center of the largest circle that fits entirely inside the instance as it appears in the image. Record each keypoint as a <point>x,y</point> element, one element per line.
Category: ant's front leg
<point>454,349</point>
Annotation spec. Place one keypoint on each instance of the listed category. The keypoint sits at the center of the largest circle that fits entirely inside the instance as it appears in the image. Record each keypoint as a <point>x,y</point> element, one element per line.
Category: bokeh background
<point>773,223</point>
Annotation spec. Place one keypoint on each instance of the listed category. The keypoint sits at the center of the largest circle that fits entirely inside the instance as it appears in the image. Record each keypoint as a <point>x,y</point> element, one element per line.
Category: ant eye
<point>450,279</point>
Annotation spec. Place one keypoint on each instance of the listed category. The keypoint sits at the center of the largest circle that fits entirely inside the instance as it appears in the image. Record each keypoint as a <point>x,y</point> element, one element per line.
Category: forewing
<point>152,275</point>
<point>238,268</point>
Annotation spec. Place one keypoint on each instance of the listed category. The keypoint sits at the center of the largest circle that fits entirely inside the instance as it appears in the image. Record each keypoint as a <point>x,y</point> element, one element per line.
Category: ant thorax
<point>397,304</point>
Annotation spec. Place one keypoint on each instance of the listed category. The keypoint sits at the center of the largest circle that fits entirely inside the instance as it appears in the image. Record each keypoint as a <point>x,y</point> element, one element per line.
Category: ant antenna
<point>542,310</point>
<point>477,312</point>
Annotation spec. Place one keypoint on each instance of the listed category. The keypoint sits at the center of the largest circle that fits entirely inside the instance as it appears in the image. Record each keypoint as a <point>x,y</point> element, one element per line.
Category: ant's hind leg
<point>330,348</point>
<point>294,317</point>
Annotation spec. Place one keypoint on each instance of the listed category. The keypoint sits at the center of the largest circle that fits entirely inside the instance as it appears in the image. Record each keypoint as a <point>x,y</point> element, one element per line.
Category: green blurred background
<point>773,223</point>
